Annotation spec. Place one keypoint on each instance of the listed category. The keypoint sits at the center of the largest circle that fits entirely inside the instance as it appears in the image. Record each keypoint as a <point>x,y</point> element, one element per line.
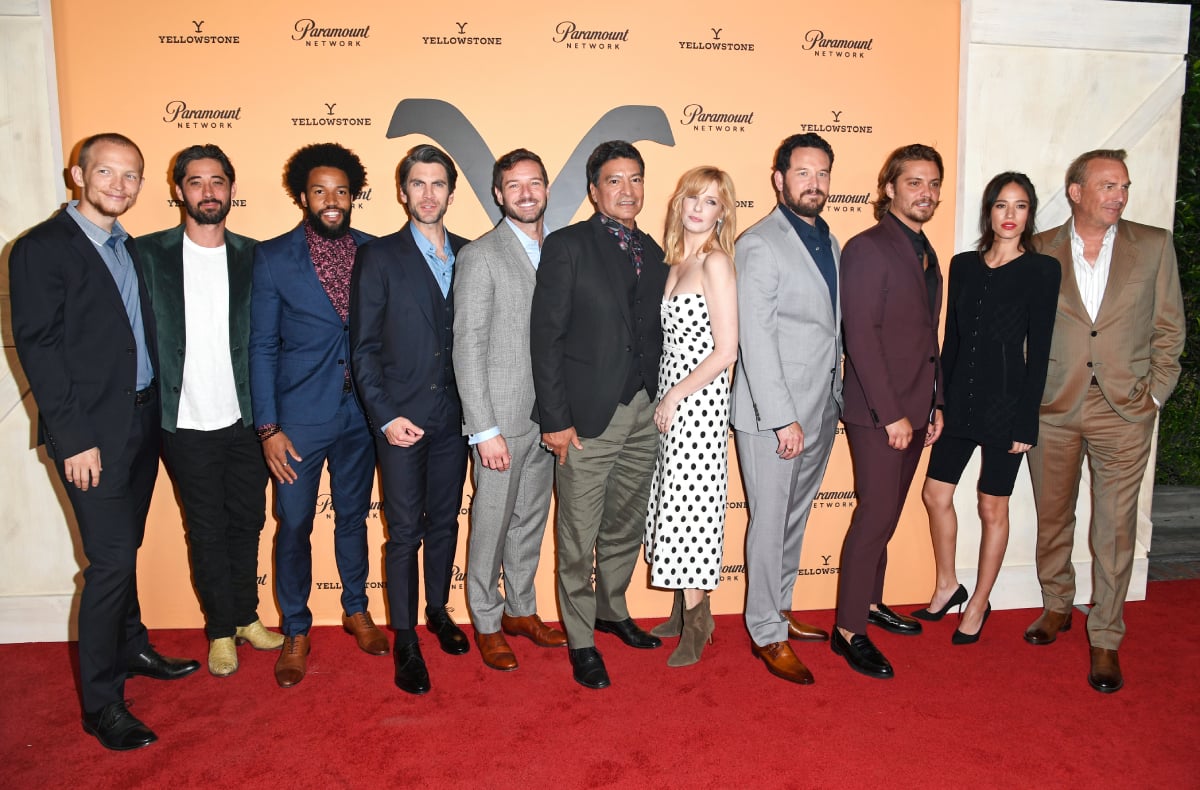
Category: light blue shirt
<point>111,247</point>
<point>443,271</point>
<point>534,251</point>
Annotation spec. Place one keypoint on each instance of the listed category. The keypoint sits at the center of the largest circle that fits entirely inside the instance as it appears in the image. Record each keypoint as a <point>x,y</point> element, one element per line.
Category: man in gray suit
<point>787,393</point>
<point>512,473</point>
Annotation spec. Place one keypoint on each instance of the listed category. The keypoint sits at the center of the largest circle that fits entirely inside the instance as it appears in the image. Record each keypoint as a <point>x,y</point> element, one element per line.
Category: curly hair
<point>310,157</point>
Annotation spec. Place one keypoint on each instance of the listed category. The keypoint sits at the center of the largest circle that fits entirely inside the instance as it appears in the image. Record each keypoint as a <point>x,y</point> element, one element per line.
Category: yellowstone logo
<point>198,36</point>
<point>315,35</point>
<point>461,39</point>
<point>816,42</point>
<point>695,116</point>
<point>330,117</point>
<point>835,125</point>
<point>445,124</point>
<point>569,35</point>
<point>173,203</point>
<point>716,44</point>
<point>179,113</point>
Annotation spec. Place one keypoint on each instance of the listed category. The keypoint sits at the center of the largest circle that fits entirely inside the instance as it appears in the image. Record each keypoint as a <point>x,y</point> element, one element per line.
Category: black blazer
<point>73,338</point>
<point>582,329</point>
<point>400,331</point>
<point>162,261</point>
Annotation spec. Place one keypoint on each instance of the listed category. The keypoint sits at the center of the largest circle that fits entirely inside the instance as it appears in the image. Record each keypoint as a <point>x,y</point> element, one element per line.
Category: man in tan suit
<point>1114,360</point>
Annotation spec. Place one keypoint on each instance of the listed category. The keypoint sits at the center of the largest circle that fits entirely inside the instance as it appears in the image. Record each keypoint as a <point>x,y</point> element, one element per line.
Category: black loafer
<point>118,729</point>
<point>888,620</point>
<point>152,665</point>
<point>862,655</point>
<point>450,636</point>
<point>588,668</point>
<point>411,674</point>
<point>628,632</point>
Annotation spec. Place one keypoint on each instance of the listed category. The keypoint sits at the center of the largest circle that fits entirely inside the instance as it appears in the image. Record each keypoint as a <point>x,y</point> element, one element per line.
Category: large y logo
<point>443,122</point>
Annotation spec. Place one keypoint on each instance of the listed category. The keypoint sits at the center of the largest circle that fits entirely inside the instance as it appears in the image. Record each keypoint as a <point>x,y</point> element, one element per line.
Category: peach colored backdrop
<point>263,79</point>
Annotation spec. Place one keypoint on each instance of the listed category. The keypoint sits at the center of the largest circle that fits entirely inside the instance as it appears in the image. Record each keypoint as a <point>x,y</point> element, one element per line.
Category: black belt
<point>144,396</point>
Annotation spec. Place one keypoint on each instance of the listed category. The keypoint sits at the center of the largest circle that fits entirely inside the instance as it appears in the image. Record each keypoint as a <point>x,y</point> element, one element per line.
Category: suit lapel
<point>807,267</point>
<point>413,265</point>
<point>1060,249</point>
<point>1121,268</point>
<point>514,252</point>
<point>91,257</point>
<point>306,273</point>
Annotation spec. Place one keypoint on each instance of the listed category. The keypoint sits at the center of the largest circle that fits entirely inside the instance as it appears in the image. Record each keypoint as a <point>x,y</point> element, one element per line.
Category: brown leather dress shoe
<point>803,631</point>
<point>370,639</point>
<point>1105,676</point>
<point>496,653</point>
<point>531,626</point>
<point>782,662</point>
<point>293,661</point>
<point>1047,627</point>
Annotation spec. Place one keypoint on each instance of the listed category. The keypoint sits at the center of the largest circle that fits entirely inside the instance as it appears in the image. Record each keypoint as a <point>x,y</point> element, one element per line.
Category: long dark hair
<point>991,193</point>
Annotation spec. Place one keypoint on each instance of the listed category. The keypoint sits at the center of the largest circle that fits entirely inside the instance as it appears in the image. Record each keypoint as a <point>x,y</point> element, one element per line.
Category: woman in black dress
<point>1000,314</point>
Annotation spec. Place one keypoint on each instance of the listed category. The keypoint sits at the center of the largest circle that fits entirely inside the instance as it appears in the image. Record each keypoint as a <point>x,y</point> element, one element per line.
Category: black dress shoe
<point>450,636</point>
<point>411,674</point>
<point>957,599</point>
<point>888,620</point>
<point>628,632</point>
<point>152,665</point>
<point>588,668</point>
<point>862,655</point>
<point>118,729</point>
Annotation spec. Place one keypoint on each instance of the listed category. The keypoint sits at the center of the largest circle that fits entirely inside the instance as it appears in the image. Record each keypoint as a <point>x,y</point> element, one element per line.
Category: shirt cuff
<point>483,436</point>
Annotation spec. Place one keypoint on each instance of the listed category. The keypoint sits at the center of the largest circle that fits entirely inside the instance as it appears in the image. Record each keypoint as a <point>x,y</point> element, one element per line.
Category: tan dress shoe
<point>782,662</point>
<point>370,639</point>
<point>293,661</point>
<point>258,636</point>
<point>222,657</point>
<point>1105,675</point>
<point>803,631</point>
<point>495,651</point>
<point>531,626</point>
<point>1047,627</point>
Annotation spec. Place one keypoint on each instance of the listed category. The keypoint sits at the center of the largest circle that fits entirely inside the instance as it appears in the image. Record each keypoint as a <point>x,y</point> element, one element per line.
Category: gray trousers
<point>508,520</point>
<point>602,495</point>
<point>779,494</point>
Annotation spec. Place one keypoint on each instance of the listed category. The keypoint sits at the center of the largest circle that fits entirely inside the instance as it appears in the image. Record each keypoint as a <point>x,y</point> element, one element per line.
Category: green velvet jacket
<point>162,262</point>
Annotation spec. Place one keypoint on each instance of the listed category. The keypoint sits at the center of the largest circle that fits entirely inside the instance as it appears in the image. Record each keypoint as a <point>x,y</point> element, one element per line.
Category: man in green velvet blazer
<point>198,275</point>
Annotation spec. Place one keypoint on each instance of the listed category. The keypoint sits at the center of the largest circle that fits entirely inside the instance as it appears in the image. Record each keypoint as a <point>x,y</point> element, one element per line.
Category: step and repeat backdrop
<point>715,84</point>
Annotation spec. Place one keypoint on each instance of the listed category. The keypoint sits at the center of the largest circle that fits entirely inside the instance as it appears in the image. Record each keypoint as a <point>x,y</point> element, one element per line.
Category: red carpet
<point>999,713</point>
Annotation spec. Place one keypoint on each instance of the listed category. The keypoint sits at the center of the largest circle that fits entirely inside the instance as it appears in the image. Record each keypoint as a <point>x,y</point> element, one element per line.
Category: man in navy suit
<point>402,336</point>
<point>305,409</point>
<point>85,335</point>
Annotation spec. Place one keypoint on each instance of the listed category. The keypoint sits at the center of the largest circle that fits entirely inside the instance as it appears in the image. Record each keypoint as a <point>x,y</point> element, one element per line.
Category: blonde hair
<point>693,182</point>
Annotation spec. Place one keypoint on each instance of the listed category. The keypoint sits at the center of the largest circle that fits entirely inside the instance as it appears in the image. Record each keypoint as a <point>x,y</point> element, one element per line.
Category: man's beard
<point>213,216</point>
<point>326,232</point>
<point>512,213</point>
<point>806,209</point>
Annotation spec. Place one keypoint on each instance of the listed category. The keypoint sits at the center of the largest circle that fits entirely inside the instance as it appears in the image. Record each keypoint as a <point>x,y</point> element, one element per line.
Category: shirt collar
<point>427,247</point>
<point>819,231</point>
<point>1077,242</point>
<point>98,235</point>
<point>530,245</point>
<point>919,242</point>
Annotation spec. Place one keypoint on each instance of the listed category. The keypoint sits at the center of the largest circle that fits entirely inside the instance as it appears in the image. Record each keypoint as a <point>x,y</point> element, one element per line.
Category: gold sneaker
<point>222,657</point>
<point>259,637</point>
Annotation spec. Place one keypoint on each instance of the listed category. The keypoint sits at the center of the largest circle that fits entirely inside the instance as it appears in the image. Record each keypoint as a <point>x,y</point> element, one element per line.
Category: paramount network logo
<point>569,34</point>
<point>445,124</point>
<point>695,116</point>
<point>325,501</point>
<point>328,116</point>
<point>848,203</point>
<point>198,36</point>
<point>717,44</point>
<point>179,113</point>
<point>816,42</point>
<point>830,499</point>
<point>315,35</point>
<point>461,38</point>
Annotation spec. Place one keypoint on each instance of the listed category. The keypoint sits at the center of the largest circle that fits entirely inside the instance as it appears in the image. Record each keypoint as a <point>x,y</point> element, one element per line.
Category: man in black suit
<point>595,342</point>
<point>401,338</point>
<point>84,333</point>
<point>198,275</point>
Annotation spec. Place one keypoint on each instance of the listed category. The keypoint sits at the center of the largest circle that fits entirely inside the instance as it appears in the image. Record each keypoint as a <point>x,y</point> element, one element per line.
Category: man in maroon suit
<point>891,297</point>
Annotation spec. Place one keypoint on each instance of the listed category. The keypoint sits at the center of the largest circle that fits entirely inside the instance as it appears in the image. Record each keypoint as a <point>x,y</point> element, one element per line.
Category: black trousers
<point>222,480</point>
<point>112,521</point>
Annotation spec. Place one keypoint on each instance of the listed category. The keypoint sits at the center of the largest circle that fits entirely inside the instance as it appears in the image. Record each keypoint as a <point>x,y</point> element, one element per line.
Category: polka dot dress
<point>685,518</point>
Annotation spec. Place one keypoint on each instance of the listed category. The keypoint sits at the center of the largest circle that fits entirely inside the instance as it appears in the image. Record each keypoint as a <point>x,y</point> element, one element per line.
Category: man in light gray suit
<point>513,474</point>
<point>787,393</point>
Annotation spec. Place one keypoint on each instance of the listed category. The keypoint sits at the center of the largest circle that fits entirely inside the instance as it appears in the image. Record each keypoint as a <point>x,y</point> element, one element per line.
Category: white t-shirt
<point>208,397</point>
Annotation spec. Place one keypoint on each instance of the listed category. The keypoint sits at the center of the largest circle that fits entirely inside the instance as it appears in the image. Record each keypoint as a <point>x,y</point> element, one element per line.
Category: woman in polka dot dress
<point>685,518</point>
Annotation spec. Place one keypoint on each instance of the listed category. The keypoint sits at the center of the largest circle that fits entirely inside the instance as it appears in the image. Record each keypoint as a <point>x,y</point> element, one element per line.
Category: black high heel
<point>959,638</point>
<point>958,599</point>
